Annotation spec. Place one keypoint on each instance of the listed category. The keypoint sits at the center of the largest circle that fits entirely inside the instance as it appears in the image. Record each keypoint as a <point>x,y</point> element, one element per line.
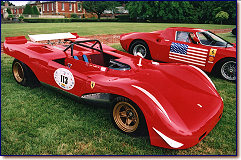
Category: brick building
<point>16,10</point>
<point>65,8</point>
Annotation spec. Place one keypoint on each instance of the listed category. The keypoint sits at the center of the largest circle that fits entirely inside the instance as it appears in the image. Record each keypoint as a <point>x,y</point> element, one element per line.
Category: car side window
<point>182,36</point>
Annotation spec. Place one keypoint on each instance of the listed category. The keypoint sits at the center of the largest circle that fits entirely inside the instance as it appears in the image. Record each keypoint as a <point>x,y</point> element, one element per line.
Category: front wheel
<point>127,117</point>
<point>227,69</point>
<point>142,48</point>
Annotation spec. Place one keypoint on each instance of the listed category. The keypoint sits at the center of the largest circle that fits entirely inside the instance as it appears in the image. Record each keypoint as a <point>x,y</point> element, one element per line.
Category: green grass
<point>92,28</point>
<point>41,121</point>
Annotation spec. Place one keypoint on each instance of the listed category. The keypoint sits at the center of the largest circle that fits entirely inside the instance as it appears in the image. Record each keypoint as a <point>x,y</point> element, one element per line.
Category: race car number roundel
<point>64,78</point>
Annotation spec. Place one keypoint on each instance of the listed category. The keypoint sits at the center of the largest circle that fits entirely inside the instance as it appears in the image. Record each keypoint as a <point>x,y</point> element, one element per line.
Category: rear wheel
<point>142,48</point>
<point>127,117</point>
<point>226,69</point>
<point>23,74</point>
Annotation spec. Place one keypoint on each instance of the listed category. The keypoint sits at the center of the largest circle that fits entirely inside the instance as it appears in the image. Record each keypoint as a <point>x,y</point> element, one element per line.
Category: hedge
<point>65,20</point>
<point>47,20</point>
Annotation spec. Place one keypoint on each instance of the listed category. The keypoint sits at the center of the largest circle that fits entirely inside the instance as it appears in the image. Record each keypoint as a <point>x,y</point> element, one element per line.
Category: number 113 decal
<point>64,78</point>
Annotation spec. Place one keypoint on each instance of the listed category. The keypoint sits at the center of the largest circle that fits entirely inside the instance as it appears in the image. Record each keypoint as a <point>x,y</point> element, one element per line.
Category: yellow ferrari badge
<point>92,84</point>
<point>212,52</point>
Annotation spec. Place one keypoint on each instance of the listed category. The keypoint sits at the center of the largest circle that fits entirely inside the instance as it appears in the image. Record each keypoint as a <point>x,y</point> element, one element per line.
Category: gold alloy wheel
<point>18,72</point>
<point>125,117</point>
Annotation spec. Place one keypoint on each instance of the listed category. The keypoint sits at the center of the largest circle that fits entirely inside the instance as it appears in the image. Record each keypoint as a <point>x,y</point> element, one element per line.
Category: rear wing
<point>49,37</point>
<point>41,37</point>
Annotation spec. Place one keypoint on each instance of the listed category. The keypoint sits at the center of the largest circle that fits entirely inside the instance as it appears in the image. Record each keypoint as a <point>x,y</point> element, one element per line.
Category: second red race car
<point>197,47</point>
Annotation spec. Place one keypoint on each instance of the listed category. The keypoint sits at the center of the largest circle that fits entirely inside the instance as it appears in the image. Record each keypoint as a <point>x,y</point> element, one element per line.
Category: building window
<point>15,10</point>
<point>79,7</point>
<point>52,6</point>
<point>43,7</point>
<point>47,7</point>
<point>70,7</point>
<point>62,6</point>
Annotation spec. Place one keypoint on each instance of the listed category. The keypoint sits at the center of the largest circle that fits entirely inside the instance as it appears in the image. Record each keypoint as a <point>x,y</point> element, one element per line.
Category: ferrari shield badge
<point>212,52</point>
<point>92,84</point>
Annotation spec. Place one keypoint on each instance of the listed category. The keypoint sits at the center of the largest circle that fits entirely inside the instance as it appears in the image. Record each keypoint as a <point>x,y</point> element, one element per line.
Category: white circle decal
<point>64,78</point>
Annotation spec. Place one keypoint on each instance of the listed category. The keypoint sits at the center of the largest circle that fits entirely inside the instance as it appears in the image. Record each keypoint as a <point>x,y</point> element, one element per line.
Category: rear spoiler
<point>15,40</point>
<point>53,36</point>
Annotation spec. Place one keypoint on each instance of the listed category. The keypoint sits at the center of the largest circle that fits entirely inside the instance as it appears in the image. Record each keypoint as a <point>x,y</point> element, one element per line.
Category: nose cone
<point>188,97</point>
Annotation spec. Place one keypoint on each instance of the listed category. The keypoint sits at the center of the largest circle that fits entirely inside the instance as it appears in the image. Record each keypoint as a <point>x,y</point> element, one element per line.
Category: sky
<point>19,3</point>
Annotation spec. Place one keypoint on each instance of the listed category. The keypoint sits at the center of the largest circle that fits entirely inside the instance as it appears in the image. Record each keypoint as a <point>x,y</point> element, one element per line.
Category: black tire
<point>23,74</point>
<point>142,47</point>
<point>226,69</point>
<point>127,117</point>
<point>234,31</point>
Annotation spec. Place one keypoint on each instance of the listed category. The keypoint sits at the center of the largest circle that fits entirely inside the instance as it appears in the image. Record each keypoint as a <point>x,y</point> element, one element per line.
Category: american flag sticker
<point>188,54</point>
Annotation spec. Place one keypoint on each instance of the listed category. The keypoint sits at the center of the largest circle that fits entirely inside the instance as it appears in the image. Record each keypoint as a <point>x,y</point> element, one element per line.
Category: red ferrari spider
<point>197,47</point>
<point>177,104</point>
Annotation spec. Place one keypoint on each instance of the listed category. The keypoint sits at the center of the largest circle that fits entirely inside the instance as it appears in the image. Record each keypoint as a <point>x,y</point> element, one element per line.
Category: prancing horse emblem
<point>92,84</point>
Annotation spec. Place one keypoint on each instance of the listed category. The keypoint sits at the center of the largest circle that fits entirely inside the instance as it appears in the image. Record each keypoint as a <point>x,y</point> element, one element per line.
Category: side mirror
<point>196,39</point>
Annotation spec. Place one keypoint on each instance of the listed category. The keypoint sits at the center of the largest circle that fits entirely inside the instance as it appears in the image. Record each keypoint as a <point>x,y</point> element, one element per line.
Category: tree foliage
<point>9,11</point>
<point>182,11</point>
<point>222,16</point>
<point>9,3</point>
<point>35,10</point>
<point>28,9</point>
<point>98,7</point>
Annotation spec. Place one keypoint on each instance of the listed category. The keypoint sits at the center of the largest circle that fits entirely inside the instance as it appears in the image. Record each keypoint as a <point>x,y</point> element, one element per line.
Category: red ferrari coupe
<point>177,104</point>
<point>192,46</point>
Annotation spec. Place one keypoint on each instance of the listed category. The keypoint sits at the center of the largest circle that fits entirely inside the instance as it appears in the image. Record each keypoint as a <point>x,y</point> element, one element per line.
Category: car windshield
<point>210,39</point>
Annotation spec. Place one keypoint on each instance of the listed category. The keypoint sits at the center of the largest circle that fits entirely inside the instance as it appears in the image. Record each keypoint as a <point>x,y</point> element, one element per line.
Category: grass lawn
<point>41,121</point>
<point>92,28</point>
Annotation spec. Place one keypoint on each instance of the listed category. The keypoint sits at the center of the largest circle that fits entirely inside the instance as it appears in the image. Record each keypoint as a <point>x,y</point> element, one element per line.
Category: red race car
<point>177,104</point>
<point>197,47</point>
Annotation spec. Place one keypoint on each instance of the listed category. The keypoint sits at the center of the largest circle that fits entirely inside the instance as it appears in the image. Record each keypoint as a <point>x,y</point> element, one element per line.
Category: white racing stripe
<point>170,142</point>
<point>154,100</point>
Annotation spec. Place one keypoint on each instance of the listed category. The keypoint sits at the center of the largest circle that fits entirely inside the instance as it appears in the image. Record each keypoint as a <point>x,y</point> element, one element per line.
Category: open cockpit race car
<point>177,104</point>
<point>193,46</point>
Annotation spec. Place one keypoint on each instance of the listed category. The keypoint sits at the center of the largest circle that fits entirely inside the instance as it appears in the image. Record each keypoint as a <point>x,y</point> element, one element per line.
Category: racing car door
<point>185,50</point>
<point>66,76</point>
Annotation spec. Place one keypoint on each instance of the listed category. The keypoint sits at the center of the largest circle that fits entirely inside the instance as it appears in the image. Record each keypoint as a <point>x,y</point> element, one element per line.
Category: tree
<point>9,3</point>
<point>222,16</point>
<point>28,9</point>
<point>35,10</point>
<point>9,11</point>
<point>164,11</point>
<point>98,7</point>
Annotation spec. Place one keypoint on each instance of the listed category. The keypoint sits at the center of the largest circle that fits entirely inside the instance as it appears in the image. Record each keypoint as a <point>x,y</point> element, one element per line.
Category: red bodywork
<point>180,104</point>
<point>159,43</point>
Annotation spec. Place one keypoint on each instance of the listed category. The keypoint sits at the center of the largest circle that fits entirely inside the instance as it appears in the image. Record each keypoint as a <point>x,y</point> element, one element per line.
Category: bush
<point>47,20</point>
<point>10,16</point>
<point>20,18</point>
<point>74,15</point>
<point>124,18</point>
